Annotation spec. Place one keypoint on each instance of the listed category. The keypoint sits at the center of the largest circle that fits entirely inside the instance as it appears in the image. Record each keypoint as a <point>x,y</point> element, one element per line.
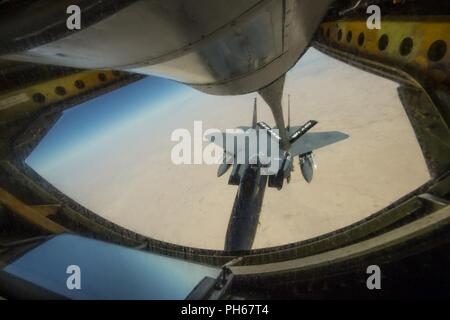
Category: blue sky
<point>91,120</point>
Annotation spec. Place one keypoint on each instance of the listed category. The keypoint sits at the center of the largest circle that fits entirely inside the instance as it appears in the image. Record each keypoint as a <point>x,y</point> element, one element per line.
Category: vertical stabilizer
<point>255,116</point>
<point>289,114</point>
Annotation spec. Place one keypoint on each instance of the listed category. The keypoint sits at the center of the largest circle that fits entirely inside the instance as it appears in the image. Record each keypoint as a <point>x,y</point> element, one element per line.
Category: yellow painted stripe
<point>47,210</point>
<point>14,104</point>
<point>429,38</point>
<point>29,213</point>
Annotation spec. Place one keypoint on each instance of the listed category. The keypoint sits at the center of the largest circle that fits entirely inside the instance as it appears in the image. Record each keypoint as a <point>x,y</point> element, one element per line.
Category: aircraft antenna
<point>254,115</point>
<point>289,113</point>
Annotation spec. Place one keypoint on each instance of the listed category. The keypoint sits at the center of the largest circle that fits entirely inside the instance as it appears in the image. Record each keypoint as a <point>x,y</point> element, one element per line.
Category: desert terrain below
<point>129,177</point>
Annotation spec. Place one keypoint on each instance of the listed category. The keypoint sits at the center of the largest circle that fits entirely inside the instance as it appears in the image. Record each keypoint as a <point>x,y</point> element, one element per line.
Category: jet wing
<point>315,140</point>
<point>220,139</point>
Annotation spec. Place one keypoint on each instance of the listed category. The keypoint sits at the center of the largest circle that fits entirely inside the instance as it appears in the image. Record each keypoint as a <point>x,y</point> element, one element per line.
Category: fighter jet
<point>267,163</point>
